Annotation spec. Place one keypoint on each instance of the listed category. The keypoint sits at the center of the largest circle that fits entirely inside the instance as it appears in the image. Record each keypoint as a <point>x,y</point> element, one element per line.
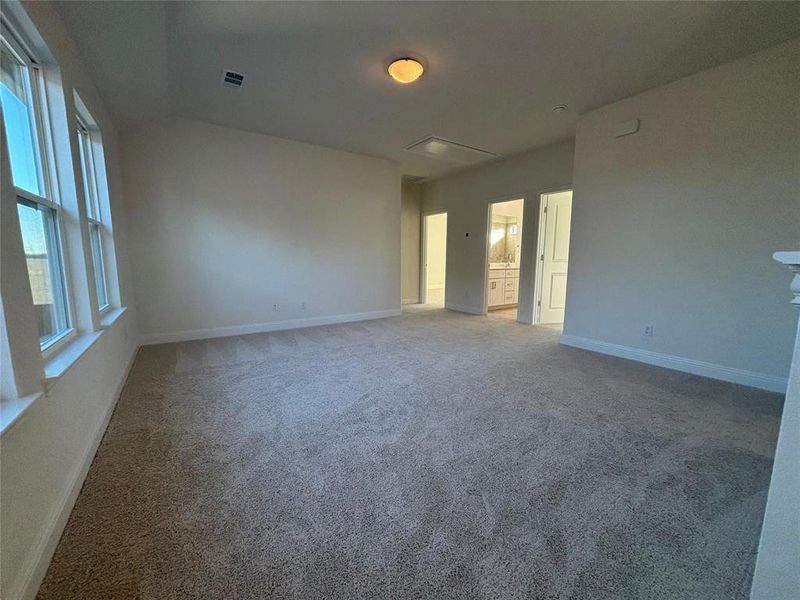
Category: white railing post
<point>777,573</point>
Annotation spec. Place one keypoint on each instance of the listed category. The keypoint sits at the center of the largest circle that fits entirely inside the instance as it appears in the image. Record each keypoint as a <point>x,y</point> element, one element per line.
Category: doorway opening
<point>434,258</point>
<point>503,250</point>
<point>555,218</point>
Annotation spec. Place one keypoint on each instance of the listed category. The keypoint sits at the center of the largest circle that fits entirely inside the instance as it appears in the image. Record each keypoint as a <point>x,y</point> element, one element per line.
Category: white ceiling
<point>315,72</point>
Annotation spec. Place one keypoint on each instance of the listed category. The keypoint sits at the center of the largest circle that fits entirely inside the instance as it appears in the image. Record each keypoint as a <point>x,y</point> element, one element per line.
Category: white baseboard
<point>39,559</point>
<point>678,363</point>
<point>464,309</point>
<point>148,339</point>
<point>409,301</point>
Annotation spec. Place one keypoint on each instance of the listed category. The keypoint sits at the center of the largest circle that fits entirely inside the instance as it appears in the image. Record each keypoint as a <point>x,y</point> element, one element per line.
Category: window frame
<point>46,175</point>
<point>92,205</point>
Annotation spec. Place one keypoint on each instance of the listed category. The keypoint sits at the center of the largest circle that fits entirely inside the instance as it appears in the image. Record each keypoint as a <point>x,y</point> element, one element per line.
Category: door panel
<point>557,219</point>
<point>558,290</point>
<point>563,216</point>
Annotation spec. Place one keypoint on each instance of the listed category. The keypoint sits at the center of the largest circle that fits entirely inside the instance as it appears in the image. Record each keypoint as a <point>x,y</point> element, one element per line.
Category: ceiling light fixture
<point>405,70</point>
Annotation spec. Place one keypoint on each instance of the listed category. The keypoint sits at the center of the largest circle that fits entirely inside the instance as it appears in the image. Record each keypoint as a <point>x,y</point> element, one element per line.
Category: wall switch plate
<point>647,330</point>
<point>302,306</point>
<point>275,307</point>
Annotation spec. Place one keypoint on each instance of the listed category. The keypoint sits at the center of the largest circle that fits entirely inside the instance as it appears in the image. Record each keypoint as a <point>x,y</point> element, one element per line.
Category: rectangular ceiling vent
<point>232,79</point>
<point>435,147</point>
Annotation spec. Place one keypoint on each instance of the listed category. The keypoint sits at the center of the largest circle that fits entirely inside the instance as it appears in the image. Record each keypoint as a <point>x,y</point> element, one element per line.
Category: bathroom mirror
<point>504,241</point>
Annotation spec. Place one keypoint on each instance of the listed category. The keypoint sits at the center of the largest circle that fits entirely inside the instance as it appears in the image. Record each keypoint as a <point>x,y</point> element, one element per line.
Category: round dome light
<point>405,70</point>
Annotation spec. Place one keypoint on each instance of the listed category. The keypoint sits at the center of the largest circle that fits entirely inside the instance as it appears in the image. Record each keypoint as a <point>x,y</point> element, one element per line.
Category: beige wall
<point>466,197</point>
<point>410,227</point>
<point>45,453</point>
<point>675,226</point>
<point>225,224</point>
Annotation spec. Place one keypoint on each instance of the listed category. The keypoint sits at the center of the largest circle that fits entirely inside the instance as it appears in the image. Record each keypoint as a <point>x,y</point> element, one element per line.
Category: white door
<point>554,259</point>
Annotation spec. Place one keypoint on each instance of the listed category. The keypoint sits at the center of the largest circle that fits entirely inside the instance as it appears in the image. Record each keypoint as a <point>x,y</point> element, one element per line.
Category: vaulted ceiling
<point>315,71</point>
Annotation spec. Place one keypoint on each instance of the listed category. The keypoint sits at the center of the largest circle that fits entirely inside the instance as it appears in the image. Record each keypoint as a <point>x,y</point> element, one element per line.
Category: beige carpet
<point>504,313</point>
<point>434,455</point>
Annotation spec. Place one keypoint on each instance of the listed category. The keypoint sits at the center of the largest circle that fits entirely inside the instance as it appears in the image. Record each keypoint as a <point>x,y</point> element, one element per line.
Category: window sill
<point>60,363</point>
<point>55,366</point>
<point>109,317</point>
<point>12,410</point>
<point>57,343</point>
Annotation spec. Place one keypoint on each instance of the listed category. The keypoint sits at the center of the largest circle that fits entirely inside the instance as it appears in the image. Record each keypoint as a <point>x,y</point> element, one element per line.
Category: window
<point>40,240</point>
<point>97,263</point>
<point>91,194</point>
<point>20,122</point>
<point>21,95</point>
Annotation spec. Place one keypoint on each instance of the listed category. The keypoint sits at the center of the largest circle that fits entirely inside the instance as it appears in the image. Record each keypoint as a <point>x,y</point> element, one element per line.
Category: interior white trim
<point>409,301</point>
<point>678,363</point>
<point>35,567</point>
<point>148,339</point>
<point>111,315</point>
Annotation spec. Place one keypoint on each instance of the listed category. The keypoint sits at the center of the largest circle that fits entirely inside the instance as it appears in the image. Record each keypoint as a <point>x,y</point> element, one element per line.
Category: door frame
<point>423,255</point>
<point>537,290</point>
<point>488,235</point>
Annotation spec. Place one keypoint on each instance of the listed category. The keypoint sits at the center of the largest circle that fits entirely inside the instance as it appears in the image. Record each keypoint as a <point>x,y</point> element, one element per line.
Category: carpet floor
<point>434,455</point>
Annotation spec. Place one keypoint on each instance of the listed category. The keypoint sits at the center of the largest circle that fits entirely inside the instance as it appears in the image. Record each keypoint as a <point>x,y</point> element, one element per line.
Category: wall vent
<point>435,147</point>
<point>232,79</point>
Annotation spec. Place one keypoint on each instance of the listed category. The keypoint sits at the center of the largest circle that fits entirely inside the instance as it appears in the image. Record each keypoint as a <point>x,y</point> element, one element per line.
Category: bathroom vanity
<point>503,285</point>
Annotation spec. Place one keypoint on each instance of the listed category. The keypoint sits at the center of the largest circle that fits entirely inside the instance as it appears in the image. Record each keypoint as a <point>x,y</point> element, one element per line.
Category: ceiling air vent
<point>232,79</point>
<point>446,150</point>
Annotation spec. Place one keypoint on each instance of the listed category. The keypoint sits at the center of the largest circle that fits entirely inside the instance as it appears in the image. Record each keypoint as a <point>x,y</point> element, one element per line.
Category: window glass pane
<point>97,261</point>
<point>86,173</point>
<point>16,99</point>
<point>40,240</point>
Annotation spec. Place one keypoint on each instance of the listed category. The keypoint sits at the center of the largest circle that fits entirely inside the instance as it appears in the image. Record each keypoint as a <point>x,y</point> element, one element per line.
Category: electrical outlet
<point>302,306</point>
<point>647,330</point>
<point>275,307</point>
